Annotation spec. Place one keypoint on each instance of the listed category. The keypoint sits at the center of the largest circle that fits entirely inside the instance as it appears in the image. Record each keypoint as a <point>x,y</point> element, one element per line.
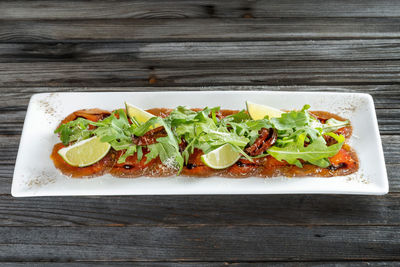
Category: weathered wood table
<point>316,45</point>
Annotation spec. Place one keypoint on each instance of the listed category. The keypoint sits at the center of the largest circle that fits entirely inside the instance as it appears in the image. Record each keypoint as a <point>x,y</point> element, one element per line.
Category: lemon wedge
<point>221,158</point>
<point>258,112</point>
<point>85,153</point>
<point>138,114</point>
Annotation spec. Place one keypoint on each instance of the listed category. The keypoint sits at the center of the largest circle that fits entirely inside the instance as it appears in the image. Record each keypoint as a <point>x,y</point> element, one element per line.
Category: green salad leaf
<point>72,131</point>
<point>300,137</point>
<point>167,148</point>
<point>332,125</point>
<point>129,152</point>
<point>316,153</point>
<point>292,120</point>
<point>204,131</point>
<point>115,130</point>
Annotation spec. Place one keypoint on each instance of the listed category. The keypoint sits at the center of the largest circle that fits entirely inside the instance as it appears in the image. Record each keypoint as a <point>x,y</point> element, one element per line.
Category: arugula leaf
<point>242,125</point>
<point>207,134</point>
<point>145,127</point>
<point>165,151</point>
<point>316,153</point>
<point>255,126</point>
<point>332,125</point>
<point>300,136</point>
<point>241,116</point>
<point>202,130</point>
<point>181,115</point>
<point>76,130</point>
<point>292,119</point>
<point>139,153</point>
<point>167,147</point>
<point>115,130</point>
<point>129,152</point>
<point>221,136</point>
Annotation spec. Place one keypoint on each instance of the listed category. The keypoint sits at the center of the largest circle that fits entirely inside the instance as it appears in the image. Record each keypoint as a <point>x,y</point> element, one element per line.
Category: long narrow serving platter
<point>35,174</point>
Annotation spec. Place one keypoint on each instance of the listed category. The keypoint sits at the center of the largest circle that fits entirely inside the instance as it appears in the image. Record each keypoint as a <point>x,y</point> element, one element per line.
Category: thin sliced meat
<point>244,168</point>
<point>195,167</point>
<point>266,139</point>
<point>99,168</point>
<point>150,137</point>
<point>94,114</point>
<point>132,167</point>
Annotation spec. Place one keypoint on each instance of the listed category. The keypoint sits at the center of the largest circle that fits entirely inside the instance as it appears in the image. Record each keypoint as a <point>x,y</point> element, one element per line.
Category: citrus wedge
<point>258,112</point>
<point>221,158</point>
<point>138,114</point>
<point>85,153</point>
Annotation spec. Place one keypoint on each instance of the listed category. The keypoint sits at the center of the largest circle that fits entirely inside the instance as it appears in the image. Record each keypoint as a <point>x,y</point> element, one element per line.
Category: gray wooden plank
<point>195,243</point>
<point>196,73</point>
<point>349,50</point>
<point>205,263</point>
<point>22,9</point>
<point>393,176</point>
<point>197,29</point>
<point>211,210</point>
<point>16,98</point>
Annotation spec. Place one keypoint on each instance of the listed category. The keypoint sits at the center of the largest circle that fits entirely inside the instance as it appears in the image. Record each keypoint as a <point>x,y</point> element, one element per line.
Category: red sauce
<point>160,112</point>
<point>244,168</point>
<point>344,163</point>
<point>131,167</point>
<point>195,167</point>
<point>99,168</point>
<point>341,166</point>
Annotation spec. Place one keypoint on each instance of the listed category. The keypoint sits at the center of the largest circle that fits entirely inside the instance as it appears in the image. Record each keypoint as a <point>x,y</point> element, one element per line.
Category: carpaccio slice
<point>344,162</point>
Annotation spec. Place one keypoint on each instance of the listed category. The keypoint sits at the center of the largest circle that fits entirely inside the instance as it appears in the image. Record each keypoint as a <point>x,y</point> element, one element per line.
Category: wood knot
<point>248,16</point>
<point>152,79</point>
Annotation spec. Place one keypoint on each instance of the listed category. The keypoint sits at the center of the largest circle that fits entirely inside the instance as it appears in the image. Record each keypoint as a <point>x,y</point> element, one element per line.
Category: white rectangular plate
<point>35,174</point>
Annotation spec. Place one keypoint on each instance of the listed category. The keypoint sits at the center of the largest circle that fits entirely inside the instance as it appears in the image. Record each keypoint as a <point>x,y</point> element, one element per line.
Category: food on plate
<point>258,142</point>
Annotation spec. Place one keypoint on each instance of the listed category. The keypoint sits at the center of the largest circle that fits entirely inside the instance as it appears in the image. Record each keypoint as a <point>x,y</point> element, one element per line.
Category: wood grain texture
<point>385,96</point>
<point>22,9</point>
<point>197,29</point>
<point>199,73</point>
<point>303,45</point>
<point>195,243</point>
<point>301,50</point>
<point>239,210</point>
<point>128,262</point>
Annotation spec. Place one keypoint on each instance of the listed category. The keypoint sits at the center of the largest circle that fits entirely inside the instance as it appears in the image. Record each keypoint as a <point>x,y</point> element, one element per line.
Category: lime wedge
<point>85,153</point>
<point>258,112</point>
<point>221,158</point>
<point>137,114</point>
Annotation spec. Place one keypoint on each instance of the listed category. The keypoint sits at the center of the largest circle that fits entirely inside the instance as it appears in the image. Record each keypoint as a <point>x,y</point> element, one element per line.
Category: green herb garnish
<point>300,136</point>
